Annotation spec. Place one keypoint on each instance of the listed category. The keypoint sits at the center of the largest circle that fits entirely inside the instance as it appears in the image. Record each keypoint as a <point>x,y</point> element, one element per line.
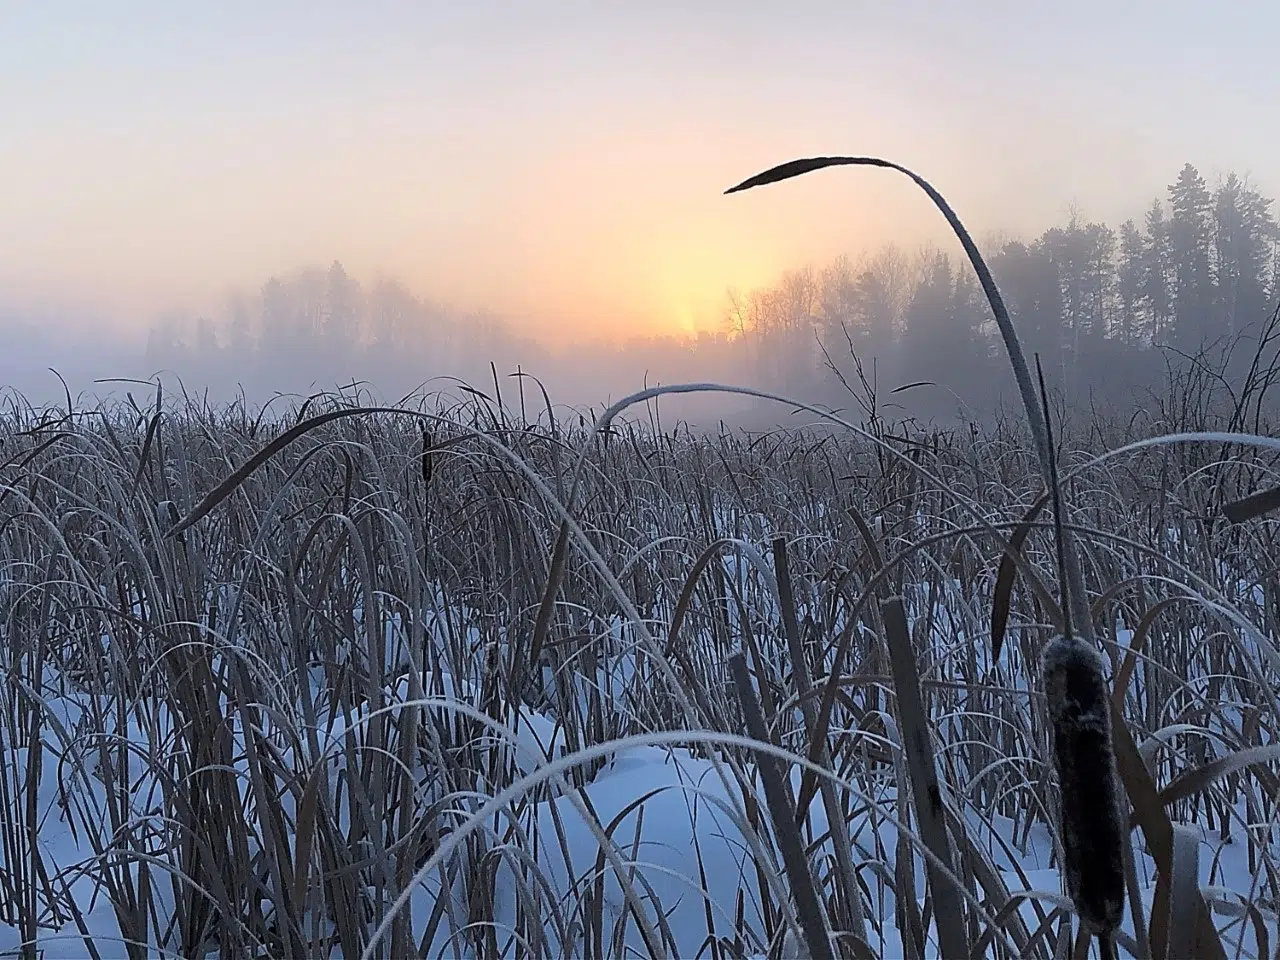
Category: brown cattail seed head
<point>1094,824</point>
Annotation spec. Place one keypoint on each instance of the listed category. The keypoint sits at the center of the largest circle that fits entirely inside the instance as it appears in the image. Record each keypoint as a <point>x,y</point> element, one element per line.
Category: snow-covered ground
<point>678,831</point>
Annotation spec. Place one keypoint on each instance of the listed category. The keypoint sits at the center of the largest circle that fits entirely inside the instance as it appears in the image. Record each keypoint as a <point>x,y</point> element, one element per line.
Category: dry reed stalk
<point>782,813</point>
<point>930,812</point>
<point>1074,680</point>
<point>850,891</point>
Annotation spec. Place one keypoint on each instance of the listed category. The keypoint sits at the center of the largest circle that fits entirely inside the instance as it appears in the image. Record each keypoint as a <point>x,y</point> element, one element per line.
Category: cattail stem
<point>1093,824</point>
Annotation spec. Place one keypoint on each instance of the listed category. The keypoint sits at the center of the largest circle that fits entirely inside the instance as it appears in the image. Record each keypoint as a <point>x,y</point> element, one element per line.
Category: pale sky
<point>564,161</point>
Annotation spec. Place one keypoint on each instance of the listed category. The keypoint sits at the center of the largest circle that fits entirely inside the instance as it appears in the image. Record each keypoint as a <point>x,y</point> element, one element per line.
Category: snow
<point>680,834</point>
<point>674,822</point>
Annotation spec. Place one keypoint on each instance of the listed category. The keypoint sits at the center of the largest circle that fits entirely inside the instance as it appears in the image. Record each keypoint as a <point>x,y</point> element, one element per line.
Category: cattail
<point>1093,823</point>
<point>1092,818</point>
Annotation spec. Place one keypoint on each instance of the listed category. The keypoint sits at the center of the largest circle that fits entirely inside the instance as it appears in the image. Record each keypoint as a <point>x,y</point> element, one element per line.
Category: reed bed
<point>340,688</point>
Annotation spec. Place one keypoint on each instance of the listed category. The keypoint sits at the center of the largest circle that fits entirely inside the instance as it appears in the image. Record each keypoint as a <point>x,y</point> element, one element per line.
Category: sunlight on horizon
<point>564,167</point>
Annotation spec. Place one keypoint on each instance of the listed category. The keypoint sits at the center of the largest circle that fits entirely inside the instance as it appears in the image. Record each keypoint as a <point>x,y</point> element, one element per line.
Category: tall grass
<point>207,748</point>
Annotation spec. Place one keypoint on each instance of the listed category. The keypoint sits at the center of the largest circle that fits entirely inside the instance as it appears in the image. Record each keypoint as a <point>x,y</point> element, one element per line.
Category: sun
<point>686,322</point>
<point>691,283</point>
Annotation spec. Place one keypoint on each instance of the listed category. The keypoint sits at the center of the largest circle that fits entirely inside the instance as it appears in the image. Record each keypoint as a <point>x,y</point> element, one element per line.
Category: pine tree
<point>1243,232</point>
<point>1029,279</point>
<point>942,335</point>
<point>1190,239</point>
<point>926,326</point>
<point>1157,273</point>
<point>1065,247</point>
<point>1099,279</point>
<point>1129,282</point>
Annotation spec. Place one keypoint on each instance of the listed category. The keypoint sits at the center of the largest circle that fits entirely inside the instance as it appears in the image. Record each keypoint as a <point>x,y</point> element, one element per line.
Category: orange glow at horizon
<point>562,165</point>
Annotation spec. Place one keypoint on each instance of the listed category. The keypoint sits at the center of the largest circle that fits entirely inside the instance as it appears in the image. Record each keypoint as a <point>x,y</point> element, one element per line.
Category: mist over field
<point>401,196</point>
<point>1113,312</point>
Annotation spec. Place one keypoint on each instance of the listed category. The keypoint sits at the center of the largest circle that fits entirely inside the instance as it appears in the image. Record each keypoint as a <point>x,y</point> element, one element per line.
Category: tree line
<point>1106,308</point>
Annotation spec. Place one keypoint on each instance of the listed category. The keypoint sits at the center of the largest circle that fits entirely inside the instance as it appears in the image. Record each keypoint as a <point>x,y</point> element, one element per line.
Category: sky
<point>563,163</point>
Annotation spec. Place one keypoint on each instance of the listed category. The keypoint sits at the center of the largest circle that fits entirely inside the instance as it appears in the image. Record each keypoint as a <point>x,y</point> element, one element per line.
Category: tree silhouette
<point>1097,304</point>
<point>1244,233</point>
<point>1129,283</point>
<point>1190,239</point>
<point>1157,274</point>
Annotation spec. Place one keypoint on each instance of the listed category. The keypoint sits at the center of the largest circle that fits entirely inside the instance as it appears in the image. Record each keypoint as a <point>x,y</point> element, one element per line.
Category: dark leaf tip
<point>795,168</point>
